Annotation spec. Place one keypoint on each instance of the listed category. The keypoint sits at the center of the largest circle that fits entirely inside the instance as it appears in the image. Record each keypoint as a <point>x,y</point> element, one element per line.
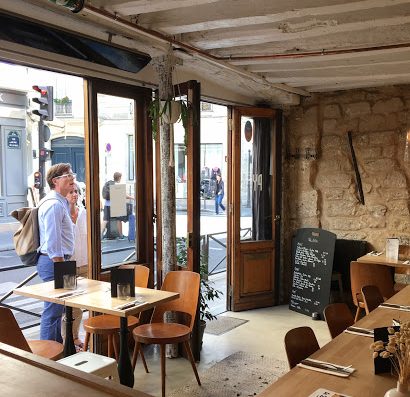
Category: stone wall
<point>322,192</point>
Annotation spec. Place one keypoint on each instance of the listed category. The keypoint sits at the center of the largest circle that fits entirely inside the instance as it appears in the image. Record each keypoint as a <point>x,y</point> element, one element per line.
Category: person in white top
<point>78,216</point>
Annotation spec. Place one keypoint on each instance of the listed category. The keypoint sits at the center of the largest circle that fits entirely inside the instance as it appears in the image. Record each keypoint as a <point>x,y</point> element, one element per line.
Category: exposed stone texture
<point>332,111</point>
<point>357,109</point>
<point>389,106</point>
<point>307,205</point>
<point>323,193</point>
<point>334,180</point>
<point>398,207</point>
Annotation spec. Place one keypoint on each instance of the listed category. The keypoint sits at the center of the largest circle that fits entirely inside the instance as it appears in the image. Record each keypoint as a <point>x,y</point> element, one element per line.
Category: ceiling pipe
<point>164,39</point>
<point>315,53</point>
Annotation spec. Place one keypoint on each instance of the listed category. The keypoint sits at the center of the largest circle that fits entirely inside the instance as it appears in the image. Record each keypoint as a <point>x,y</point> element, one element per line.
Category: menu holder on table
<point>382,365</point>
<point>122,276</point>
<point>61,269</point>
<point>392,249</point>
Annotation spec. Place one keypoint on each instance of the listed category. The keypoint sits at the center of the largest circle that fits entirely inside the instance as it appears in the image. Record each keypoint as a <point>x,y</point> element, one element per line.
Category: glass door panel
<point>117,177</point>
<point>256,159</point>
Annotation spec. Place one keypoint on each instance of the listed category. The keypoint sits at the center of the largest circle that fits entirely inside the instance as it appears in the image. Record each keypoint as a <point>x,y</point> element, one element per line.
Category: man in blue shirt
<point>56,241</point>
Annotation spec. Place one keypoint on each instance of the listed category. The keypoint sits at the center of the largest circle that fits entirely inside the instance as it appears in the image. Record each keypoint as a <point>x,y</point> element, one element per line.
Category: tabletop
<point>346,349</point>
<point>382,260</point>
<point>25,374</point>
<point>97,297</point>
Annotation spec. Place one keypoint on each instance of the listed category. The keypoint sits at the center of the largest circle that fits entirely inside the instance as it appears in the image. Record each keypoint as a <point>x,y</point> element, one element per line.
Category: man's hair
<point>117,176</point>
<point>57,170</point>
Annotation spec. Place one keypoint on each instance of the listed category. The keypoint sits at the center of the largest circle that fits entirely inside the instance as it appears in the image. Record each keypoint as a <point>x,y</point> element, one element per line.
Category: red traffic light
<point>45,101</point>
<point>41,89</point>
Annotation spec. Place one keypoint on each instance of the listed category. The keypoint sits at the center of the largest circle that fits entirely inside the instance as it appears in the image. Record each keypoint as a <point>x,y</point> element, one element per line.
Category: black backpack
<point>106,190</point>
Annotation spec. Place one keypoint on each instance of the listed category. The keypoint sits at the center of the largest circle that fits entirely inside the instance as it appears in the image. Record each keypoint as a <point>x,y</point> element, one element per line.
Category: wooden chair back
<point>362,274</point>
<point>372,297</point>
<point>300,343</point>
<point>10,332</point>
<point>141,274</point>
<point>187,284</point>
<point>338,317</point>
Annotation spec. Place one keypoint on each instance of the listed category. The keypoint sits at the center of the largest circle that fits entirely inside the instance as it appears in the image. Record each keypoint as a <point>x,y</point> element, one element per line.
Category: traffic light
<point>45,101</point>
<point>45,154</point>
<point>37,180</point>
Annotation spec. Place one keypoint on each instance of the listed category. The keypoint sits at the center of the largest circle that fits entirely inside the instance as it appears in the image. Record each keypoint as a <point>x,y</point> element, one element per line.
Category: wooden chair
<point>108,324</point>
<point>300,343</point>
<point>10,333</point>
<point>159,332</point>
<point>338,317</point>
<point>362,274</point>
<point>372,297</point>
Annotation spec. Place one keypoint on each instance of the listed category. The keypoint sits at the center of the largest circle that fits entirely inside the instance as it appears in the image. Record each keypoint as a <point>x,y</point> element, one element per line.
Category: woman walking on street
<point>219,194</point>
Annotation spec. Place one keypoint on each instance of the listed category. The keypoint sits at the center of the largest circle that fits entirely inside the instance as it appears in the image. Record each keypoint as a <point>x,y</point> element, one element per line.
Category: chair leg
<point>163,369</point>
<point>86,341</point>
<point>143,359</point>
<point>191,359</point>
<point>135,355</point>
<point>356,317</point>
<point>115,345</point>
<point>110,344</point>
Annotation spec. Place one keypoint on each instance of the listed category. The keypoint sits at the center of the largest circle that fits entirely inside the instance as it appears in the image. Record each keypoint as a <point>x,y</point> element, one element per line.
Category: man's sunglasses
<point>70,175</point>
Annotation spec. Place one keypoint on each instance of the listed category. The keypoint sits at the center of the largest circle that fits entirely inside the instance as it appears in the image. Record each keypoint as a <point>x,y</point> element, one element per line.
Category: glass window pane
<point>256,179</point>
<point>116,137</point>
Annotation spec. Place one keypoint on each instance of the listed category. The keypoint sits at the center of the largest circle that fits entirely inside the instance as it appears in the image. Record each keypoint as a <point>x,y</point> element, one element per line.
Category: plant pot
<point>202,325</point>
<point>170,111</point>
<point>400,391</point>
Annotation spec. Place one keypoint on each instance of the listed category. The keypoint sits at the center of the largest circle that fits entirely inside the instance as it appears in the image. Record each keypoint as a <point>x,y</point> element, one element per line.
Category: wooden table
<point>98,298</point>
<point>382,260</point>
<point>25,374</point>
<point>346,349</point>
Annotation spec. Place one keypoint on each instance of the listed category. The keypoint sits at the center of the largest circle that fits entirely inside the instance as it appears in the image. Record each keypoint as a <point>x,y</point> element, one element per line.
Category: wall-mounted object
<point>304,154</point>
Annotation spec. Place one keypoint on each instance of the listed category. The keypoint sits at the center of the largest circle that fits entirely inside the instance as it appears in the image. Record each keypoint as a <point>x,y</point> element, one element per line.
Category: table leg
<point>124,363</point>
<point>69,347</point>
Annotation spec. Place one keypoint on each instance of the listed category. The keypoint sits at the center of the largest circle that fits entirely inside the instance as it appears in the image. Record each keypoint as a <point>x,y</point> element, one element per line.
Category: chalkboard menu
<point>312,259</point>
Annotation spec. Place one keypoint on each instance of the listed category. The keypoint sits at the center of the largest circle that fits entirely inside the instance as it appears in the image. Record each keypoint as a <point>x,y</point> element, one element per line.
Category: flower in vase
<point>397,350</point>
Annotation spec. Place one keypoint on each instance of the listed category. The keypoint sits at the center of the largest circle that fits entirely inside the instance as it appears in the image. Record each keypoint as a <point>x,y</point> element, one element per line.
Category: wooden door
<point>252,209</point>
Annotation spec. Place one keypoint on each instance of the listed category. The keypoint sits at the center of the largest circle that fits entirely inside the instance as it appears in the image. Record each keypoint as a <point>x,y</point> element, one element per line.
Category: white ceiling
<point>274,50</point>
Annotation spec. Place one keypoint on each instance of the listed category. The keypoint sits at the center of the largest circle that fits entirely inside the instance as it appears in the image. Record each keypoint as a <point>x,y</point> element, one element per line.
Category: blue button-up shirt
<point>55,226</point>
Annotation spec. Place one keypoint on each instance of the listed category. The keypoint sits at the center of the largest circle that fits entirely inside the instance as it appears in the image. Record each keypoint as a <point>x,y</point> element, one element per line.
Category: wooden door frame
<point>192,90</point>
<point>234,301</point>
<point>143,163</point>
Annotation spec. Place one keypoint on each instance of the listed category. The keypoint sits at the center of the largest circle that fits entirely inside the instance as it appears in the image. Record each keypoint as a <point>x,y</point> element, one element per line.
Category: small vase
<point>401,390</point>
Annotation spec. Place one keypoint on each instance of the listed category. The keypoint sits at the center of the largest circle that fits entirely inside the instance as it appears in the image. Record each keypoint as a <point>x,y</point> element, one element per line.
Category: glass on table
<point>69,281</point>
<point>123,290</point>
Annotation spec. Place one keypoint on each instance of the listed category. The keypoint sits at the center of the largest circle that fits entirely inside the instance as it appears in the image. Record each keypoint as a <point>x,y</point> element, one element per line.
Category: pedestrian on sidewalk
<point>219,193</point>
<point>56,241</point>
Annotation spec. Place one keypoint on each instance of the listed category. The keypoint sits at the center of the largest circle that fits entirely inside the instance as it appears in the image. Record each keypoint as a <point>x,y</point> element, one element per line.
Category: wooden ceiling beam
<point>379,55</point>
<point>245,36</point>
<point>136,7</point>
<point>333,80</point>
<point>245,13</point>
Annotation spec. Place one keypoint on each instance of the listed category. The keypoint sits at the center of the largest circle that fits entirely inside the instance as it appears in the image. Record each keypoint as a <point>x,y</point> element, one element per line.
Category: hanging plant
<point>169,112</point>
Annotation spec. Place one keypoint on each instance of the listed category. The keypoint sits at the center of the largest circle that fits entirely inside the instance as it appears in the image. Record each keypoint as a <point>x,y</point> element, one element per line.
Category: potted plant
<point>208,291</point>
<point>169,111</point>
